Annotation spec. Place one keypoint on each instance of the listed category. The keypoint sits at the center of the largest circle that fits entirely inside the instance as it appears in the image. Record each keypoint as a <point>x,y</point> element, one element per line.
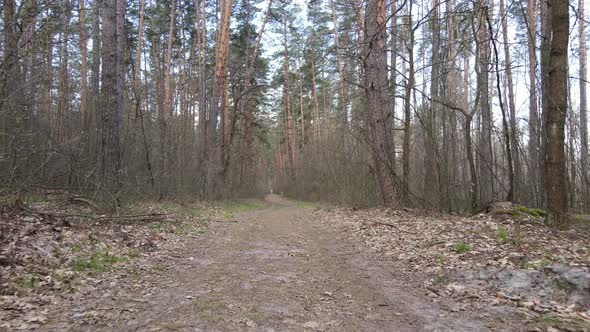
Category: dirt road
<point>276,269</point>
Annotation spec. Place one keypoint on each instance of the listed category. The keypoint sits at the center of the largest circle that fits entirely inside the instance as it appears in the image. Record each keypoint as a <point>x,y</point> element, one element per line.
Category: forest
<point>294,165</point>
<point>444,106</point>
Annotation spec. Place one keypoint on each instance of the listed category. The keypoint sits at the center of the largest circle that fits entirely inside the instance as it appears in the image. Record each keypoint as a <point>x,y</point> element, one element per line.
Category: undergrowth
<point>461,247</point>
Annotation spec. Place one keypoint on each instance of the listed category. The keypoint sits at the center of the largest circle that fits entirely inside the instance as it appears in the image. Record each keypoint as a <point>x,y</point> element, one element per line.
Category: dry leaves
<point>46,260</point>
<point>479,260</point>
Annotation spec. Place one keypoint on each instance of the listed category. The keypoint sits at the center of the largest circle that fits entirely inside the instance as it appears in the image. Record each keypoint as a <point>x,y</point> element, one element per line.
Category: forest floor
<point>282,265</point>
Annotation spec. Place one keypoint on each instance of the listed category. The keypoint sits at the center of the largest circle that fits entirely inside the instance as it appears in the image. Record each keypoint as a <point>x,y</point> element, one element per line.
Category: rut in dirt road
<point>278,269</point>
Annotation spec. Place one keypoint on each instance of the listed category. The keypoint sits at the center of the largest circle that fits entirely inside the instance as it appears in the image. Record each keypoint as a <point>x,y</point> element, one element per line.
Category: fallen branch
<point>151,216</point>
<point>85,201</point>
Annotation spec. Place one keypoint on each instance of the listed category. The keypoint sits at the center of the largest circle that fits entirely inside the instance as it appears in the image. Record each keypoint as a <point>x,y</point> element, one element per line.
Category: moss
<point>535,212</point>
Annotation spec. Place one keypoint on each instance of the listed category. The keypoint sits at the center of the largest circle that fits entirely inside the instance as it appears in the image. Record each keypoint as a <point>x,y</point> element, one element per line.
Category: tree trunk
<point>138,94</point>
<point>554,114</point>
<point>485,150</point>
<point>63,103</point>
<point>342,72</point>
<point>545,18</point>
<point>511,106</point>
<point>473,179</point>
<point>168,108</point>
<point>218,102</point>
<point>393,78</point>
<point>203,124</point>
<point>583,97</point>
<point>505,130</point>
<point>111,112</point>
<point>534,135</point>
<point>83,64</point>
<point>316,112</point>
<point>377,95</point>
<point>409,45</point>
<point>301,112</point>
<point>287,101</point>
<point>430,188</point>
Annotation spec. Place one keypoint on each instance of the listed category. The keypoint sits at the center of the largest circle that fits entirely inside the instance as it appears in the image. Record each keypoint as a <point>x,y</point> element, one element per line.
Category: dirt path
<point>277,269</point>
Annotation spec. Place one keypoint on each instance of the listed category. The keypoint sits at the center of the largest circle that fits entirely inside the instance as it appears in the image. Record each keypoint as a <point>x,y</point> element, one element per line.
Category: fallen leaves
<point>46,259</point>
<point>480,260</point>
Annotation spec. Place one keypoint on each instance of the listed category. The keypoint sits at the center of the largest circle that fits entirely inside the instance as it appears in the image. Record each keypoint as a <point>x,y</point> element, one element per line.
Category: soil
<point>273,269</point>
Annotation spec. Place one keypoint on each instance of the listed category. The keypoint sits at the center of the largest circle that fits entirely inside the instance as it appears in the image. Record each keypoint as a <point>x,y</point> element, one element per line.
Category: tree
<point>533,121</point>
<point>409,48</point>
<point>554,113</point>
<point>583,95</point>
<point>377,96</point>
<point>83,63</point>
<point>63,104</point>
<point>112,96</point>
<point>217,137</point>
<point>483,38</point>
<point>511,104</point>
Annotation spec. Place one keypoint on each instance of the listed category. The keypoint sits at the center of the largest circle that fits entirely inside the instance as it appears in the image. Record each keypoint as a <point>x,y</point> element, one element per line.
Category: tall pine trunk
<point>111,99</point>
<point>377,96</point>
<point>554,113</point>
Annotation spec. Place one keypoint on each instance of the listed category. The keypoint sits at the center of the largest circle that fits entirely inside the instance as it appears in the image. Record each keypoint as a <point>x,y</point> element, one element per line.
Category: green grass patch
<point>502,234</point>
<point>25,283</point>
<point>97,261</point>
<point>461,247</point>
